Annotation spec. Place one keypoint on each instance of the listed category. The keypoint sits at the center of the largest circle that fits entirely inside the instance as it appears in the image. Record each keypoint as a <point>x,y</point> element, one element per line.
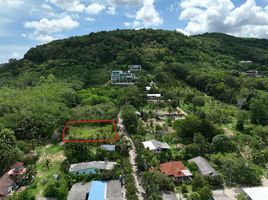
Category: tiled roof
<point>176,169</point>
<point>17,165</point>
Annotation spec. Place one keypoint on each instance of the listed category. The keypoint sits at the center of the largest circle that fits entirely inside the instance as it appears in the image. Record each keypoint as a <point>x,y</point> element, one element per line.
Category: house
<point>134,68</point>
<point>91,167</point>
<point>153,97</point>
<point>152,84</point>
<point>8,180</point>
<point>169,196</point>
<point>155,146</point>
<point>79,191</point>
<point>177,170</point>
<point>147,88</point>
<point>256,193</point>
<point>252,73</point>
<point>96,190</point>
<point>122,78</point>
<point>108,147</point>
<point>219,195</point>
<point>204,167</point>
<point>246,61</point>
<point>7,184</point>
<point>17,169</point>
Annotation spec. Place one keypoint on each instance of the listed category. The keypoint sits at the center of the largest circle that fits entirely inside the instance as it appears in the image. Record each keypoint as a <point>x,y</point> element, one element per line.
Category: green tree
<point>130,119</point>
<point>259,110</point>
<point>51,189</point>
<point>197,182</point>
<point>222,143</point>
<point>8,149</point>
<point>194,196</point>
<point>205,193</point>
<point>198,101</point>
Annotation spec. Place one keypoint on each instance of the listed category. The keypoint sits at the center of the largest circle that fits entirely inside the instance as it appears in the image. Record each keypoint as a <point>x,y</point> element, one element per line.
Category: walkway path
<point>132,158</point>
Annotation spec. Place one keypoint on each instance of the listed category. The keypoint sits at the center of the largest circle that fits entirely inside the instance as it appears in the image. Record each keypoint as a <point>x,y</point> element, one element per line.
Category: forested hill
<point>203,61</point>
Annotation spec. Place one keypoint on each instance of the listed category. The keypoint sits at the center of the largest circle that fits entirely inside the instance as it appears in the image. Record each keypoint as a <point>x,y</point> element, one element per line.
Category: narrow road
<point>132,158</point>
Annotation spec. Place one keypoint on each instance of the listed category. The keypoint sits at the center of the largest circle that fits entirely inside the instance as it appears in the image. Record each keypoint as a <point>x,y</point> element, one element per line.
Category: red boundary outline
<point>90,121</point>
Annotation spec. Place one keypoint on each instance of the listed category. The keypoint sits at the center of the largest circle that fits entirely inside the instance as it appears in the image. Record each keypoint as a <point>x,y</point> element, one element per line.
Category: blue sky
<point>27,23</point>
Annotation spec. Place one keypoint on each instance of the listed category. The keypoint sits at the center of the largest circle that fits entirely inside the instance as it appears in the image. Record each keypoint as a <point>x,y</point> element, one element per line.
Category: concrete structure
<point>154,97</point>
<point>111,190</point>
<point>155,146</point>
<point>147,88</point>
<point>246,61</point>
<point>91,167</point>
<point>220,195</point>
<point>169,196</point>
<point>177,170</point>
<point>79,191</point>
<point>134,68</point>
<point>108,147</point>
<point>203,165</point>
<point>252,73</point>
<point>256,193</point>
<point>122,78</point>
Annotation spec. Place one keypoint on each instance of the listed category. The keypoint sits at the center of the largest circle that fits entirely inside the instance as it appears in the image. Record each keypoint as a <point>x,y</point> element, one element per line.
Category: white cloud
<point>111,10</point>
<point>126,2</point>
<point>147,16</point>
<point>69,5</point>
<point>46,6</point>
<point>11,3</point>
<point>44,28</point>
<point>15,55</point>
<point>90,19</point>
<point>248,19</point>
<point>12,51</point>
<point>95,8</point>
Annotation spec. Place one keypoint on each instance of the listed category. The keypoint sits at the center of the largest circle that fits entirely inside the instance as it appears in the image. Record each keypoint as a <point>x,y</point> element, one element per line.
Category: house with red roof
<point>9,179</point>
<point>177,170</point>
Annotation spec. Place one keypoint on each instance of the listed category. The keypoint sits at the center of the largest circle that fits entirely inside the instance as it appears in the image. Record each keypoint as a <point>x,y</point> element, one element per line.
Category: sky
<point>28,23</point>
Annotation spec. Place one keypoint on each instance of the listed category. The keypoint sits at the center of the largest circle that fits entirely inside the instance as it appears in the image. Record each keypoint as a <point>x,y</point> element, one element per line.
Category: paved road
<point>132,158</point>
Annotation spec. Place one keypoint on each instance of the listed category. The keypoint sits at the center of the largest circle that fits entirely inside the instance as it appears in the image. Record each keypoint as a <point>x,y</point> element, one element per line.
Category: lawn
<point>50,159</point>
<point>87,132</point>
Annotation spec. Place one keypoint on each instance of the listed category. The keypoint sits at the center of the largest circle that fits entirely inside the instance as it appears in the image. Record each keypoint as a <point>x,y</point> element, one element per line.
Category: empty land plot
<point>90,131</point>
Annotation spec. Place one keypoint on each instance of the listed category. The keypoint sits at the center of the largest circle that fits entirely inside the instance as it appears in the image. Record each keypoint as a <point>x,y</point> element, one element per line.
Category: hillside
<point>90,58</point>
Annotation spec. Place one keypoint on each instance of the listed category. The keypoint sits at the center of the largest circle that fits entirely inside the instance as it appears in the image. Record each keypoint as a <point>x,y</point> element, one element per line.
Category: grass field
<point>87,132</point>
<point>50,158</point>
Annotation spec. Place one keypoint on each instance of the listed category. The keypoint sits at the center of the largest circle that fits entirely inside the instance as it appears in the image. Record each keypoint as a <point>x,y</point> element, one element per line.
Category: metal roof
<point>108,147</point>
<point>153,95</point>
<point>114,190</point>
<point>154,144</point>
<point>257,193</point>
<point>92,164</point>
<point>220,195</point>
<point>169,196</point>
<point>203,165</point>
<point>79,191</point>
